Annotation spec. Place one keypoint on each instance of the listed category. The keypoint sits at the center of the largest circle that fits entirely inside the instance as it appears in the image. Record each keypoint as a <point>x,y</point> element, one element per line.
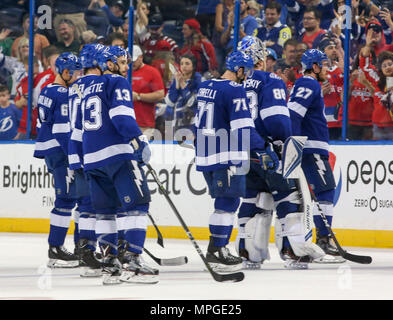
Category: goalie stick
<point>292,156</point>
<point>346,255</point>
<point>231,277</point>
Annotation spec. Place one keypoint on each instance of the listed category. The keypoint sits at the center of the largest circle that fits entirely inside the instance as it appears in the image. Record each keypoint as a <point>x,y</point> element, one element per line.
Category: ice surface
<point>23,275</point>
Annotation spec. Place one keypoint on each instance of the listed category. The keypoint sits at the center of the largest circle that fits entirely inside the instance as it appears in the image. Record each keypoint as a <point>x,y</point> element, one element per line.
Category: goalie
<point>267,190</point>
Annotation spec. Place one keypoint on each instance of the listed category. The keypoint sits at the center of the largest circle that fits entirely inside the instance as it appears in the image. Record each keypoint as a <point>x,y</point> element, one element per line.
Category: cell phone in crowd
<point>389,82</point>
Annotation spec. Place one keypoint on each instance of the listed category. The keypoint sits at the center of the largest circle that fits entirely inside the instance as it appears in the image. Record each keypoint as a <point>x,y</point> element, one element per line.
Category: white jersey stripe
<point>107,153</point>
<point>61,128</point>
<point>314,144</point>
<point>40,146</point>
<point>76,135</point>
<point>121,111</point>
<point>242,123</point>
<point>273,111</point>
<point>297,107</point>
<point>221,158</point>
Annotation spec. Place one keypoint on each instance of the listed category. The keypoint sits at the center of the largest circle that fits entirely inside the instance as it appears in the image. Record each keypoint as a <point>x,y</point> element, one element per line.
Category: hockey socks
<point>220,226</point>
<point>135,226</point>
<point>106,231</point>
<point>59,223</point>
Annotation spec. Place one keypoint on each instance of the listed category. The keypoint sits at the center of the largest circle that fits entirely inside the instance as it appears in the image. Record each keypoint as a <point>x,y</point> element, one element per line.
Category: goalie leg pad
<point>256,235</point>
<point>292,227</point>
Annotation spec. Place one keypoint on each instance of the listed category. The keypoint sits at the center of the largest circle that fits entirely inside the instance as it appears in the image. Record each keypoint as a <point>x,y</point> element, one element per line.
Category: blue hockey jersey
<point>54,130</point>
<point>225,131</point>
<point>266,93</point>
<point>307,107</point>
<point>108,120</point>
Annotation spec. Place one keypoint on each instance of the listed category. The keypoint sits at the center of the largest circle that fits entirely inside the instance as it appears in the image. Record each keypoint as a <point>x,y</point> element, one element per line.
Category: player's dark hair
<point>4,88</point>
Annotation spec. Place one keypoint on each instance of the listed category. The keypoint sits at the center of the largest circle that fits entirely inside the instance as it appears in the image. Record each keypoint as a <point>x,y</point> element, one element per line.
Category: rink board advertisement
<point>363,202</point>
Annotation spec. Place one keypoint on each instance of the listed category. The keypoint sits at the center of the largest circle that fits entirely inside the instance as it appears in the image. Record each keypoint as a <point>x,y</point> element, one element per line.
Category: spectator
<point>117,39</point>
<point>296,10</point>
<point>68,38</point>
<point>88,37</point>
<point>254,9</point>
<point>40,41</point>
<point>164,61</point>
<point>5,41</point>
<point>73,10</point>
<point>222,11</point>
<point>148,89</point>
<point>205,14</point>
<point>271,59</point>
<point>10,116</point>
<point>274,34</point>
<point>181,97</point>
<point>142,20</point>
<point>115,12</point>
<point>290,57</point>
<point>360,106</point>
<point>248,26</point>
<point>332,89</point>
<point>21,100</point>
<point>374,33</point>
<point>313,33</point>
<point>382,115</point>
<point>198,45</point>
<point>283,70</point>
<point>149,44</point>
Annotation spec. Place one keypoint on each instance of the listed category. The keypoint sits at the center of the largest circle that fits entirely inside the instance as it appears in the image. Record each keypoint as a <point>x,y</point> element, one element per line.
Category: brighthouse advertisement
<point>363,174</point>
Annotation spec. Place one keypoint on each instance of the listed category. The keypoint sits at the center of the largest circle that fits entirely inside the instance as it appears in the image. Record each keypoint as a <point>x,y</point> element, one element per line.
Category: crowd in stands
<point>179,43</point>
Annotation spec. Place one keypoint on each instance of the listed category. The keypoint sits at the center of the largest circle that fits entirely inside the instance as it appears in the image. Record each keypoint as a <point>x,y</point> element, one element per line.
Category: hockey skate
<point>60,257</point>
<point>221,260</point>
<point>112,268</point>
<point>136,270</point>
<point>326,243</point>
<point>291,261</point>
<point>247,263</point>
<point>90,263</point>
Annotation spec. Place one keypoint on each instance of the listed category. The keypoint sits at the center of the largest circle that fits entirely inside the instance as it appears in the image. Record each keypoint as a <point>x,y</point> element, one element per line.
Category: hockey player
<point>224,134</point>
<point>129,221</point>
<point>52,145</point>
<point>266,190</point>
<point>113,150</point>
<point>306,107</point>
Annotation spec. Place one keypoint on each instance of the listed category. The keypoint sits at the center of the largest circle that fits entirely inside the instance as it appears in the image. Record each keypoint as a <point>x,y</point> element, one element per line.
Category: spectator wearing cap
<point>375,38</point>
<point>40,41</point>
<point>148,89</point>
<point>154,35</point>
<point>274,33</point>
<point>248,26</point>
<point>164,61</point>
<point>271,59</point>
<point>198,45</point>
<point>311,23</point>
<point>69,41</point>
<point>332,89</point>
<point>114,12</point>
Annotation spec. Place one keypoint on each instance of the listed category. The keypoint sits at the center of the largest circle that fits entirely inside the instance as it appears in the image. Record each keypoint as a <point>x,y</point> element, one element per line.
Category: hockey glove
<point>268,158</point>
<point>142,150</point>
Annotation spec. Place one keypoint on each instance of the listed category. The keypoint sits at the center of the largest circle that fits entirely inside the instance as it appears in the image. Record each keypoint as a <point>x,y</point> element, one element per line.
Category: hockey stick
<point>178,261</point>
<point>232,277</point>
<point>160,239</point>
<point>346,255</point>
